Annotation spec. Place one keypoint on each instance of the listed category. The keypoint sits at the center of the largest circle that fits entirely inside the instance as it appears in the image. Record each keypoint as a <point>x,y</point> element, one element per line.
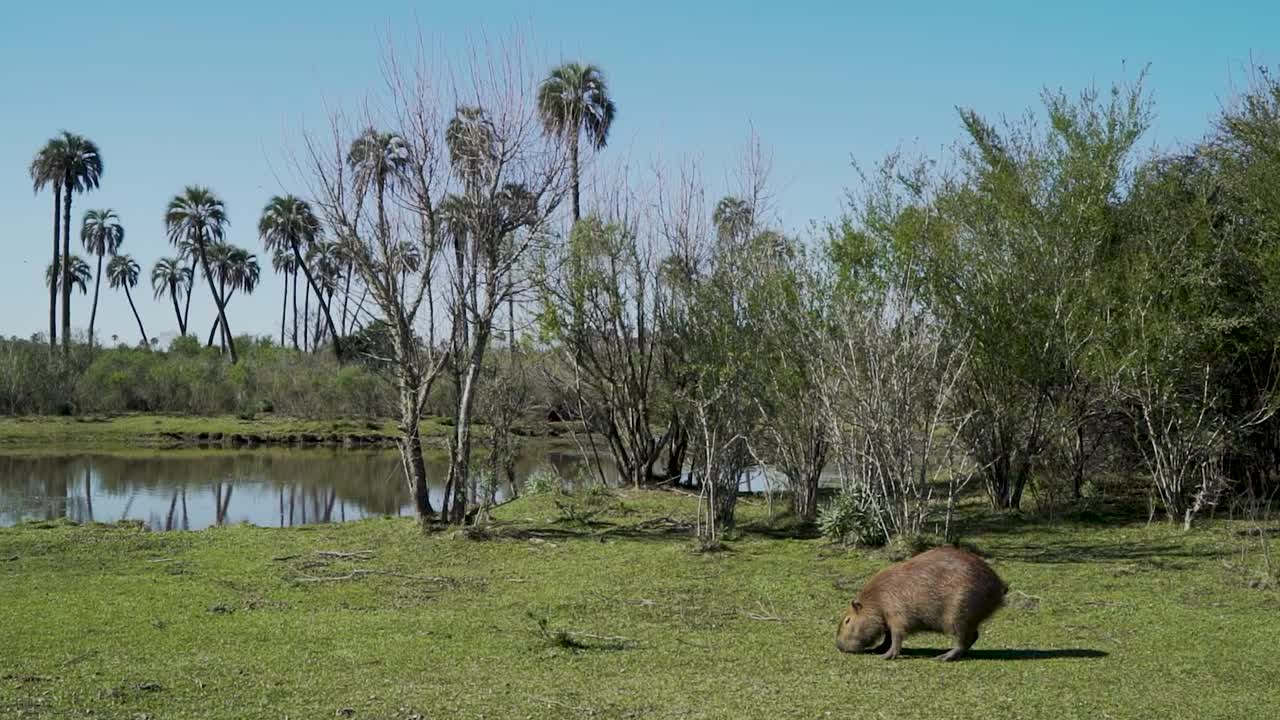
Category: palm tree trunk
<point>318,336</point>
<point>346,297</point>
<point>284,310</point>
<point>186,313</point>
<point>573,172</point>
<point>177,311</point>
<point>217,300</point>
<point>306,310</point>
<point>218,327</point>
<point>53,286</point>
<point>295,308</point>
<point>66,270</point>
<point>134,308</point>
<point>324,307</point>
<point>93,314</point>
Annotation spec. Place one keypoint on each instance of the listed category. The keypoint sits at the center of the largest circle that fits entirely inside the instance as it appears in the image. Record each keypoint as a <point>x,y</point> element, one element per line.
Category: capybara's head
<point>859,629</point>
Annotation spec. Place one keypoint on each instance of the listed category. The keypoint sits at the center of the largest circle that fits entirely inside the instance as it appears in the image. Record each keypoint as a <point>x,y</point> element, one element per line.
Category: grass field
<point>613,616</point>
<point>178,430</point>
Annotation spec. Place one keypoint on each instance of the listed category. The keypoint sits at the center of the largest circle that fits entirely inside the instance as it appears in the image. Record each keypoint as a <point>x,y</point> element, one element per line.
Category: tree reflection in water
<point>192,489</point>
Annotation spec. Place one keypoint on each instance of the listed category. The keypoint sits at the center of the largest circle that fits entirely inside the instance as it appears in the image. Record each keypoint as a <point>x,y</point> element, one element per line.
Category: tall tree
<point>102,235</point>
<point>170,277</point>
<point>77,161</point>
<point>378,158</point>
<point>122,272</point>
<point>44,172</point>
<point>283,263</point>
<point>200,218</point>
<point>288,222</point>
<point>573,101</point>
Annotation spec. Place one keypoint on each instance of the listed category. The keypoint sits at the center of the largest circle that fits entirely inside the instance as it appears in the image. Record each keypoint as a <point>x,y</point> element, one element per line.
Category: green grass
<point>614,617</point>
<point>171,430</point>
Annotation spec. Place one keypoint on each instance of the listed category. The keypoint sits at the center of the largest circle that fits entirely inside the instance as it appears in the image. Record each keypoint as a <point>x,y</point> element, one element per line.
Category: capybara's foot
<point>952,654</point>
<point>891,654</point>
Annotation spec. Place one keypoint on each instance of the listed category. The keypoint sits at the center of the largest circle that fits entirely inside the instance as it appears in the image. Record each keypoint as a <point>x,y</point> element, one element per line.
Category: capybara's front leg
<point>895,645</point>
<point>884,645</point>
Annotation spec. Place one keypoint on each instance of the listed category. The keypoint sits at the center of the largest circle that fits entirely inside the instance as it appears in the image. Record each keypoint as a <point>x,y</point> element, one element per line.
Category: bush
<point>544,481</point>
<point>846,520</point>
<point>188,378</point>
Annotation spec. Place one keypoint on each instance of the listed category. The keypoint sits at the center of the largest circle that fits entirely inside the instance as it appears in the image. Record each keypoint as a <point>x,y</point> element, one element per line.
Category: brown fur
<point>945,590</point>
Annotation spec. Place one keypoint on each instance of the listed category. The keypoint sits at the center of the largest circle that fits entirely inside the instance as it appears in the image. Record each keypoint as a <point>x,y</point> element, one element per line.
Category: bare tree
<point>512,178</point>
<point>601,296</point>
<point>376,221</point>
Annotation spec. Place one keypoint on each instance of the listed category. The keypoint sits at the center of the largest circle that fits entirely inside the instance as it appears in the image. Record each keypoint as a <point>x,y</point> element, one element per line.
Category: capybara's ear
<point>855,605</point>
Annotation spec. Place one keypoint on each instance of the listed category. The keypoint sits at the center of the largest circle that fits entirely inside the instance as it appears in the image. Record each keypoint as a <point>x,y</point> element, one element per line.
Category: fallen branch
<point>354,555</point>
<point>354,574</point>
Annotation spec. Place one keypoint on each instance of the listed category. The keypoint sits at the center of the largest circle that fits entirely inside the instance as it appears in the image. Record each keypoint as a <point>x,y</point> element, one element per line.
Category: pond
<point>193,489</point>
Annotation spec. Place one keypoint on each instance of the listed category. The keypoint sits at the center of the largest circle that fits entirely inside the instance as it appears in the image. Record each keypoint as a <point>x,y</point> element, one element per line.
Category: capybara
<point>944,590</point>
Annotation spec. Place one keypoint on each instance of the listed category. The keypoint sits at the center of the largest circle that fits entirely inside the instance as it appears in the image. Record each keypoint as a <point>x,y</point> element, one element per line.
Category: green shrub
<point>544,480</point>
<point>845,520</point>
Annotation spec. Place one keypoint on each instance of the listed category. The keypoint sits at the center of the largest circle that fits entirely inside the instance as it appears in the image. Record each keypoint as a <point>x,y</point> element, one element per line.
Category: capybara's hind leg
<point>895,645</point>
<point>964,640</point>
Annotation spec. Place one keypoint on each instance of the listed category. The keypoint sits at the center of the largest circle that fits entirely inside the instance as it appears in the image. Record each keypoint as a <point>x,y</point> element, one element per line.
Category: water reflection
<point>186,490</point>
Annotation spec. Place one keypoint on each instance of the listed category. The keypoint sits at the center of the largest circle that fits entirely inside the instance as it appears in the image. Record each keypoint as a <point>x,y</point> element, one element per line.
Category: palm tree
<point>79,273</point>
<point>378,157</point>
<point>326,265</point>
<point>44,171</point>
<point>283,262</point>
<point>170,277</point>
<point>236,269</point>
<point>409,257</point>
<point>288,223</point>
<point>471,138</point>
<point>102,234</point>
<point>733,218</point>
<point>77,160</point>
<point>123,271</point>
<point>572,101</point>
<point>200,218</point>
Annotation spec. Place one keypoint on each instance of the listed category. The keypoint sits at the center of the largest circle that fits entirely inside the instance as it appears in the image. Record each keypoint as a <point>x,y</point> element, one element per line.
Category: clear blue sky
<point>181,93</point>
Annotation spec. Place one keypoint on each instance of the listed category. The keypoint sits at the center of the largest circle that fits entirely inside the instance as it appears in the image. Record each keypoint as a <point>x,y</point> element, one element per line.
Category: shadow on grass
<point>1157,554</point>
<point>1010,654</point>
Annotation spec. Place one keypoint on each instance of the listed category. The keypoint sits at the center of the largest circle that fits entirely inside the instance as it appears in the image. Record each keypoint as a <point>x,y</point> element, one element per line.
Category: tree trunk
<point>306,322</point>
<point>66,269</point>
<point>218,330</point>
<point>573,174</point>
<point>53,286</point>
<point>346,298</point>
<point>804,498</point>
<point>324,307</point>
<point>177,311</point>
<point>129,296</point>
<point>460,448</point>
<point>217,300</point>
<point>191,286</point>
<point>410,445</point>
<point>295,309</point>
<point>93,314</point>
<point>284,310</point>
